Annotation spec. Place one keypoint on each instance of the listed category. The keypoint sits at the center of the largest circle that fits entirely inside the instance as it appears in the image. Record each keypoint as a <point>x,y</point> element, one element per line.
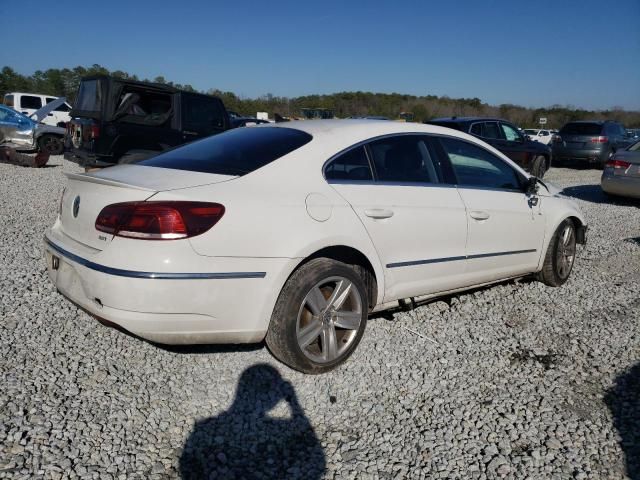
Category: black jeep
<point>123,121</point>
<point>535,157</point>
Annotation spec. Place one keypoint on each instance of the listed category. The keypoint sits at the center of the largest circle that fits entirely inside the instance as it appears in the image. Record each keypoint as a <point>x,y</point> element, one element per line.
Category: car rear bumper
<point>86,159</point>
<point>579,156</point>
<point>219,305</point>
<point>621,185</point>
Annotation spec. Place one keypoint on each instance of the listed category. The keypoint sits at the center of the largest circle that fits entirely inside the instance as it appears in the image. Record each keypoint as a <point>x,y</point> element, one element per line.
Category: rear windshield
<point>581,129</point>
<point>89,96</point>
<point>234,152</point>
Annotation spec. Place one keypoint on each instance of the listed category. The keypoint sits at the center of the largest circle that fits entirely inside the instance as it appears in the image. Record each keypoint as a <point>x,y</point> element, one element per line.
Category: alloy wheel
<point>329,319</point>
<point>566,251</point>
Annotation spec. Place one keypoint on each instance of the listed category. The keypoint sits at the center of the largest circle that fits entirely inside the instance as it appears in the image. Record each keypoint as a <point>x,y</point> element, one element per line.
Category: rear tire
<point>538,166</point>
<point>320,316</point>
<point>51,144</point>
<point>560,256</point>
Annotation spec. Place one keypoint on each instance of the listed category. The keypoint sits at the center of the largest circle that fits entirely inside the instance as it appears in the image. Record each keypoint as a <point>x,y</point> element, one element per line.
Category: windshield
<point>234,152</point>
<point>635,147</point>
<point>581,129</point>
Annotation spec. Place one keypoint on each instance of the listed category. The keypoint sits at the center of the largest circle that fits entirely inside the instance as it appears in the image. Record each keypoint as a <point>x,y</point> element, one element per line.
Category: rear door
<point>417,221</point>
<point>505,227</point>
<point>201,116</point>
<point>59,114</point>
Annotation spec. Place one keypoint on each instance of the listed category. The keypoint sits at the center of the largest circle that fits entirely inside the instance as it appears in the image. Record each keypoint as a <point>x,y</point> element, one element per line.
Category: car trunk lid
<point>86,194</point>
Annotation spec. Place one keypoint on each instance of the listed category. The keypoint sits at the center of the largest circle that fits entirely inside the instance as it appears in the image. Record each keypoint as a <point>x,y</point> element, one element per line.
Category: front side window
<point>352,165</point>
<point>29,101</point>
<point>510,133</point>
<point>476,167</point>
<point>234,152</point>
<point>404,158</point>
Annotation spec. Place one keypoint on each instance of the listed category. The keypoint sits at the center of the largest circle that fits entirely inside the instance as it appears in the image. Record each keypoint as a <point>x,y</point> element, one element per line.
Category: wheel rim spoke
<point>348,320</point>
<point>329,343</point>
<point>310,333</point>
<point>315,301</point>
<point>340,294</point>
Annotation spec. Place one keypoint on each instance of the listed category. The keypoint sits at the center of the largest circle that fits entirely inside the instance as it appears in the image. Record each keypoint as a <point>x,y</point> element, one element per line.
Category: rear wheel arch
<point>354,257</point>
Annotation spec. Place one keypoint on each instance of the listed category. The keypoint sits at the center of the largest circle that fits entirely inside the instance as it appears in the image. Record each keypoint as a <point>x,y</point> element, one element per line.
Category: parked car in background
<point>621,174</point>
<point>26,134</point>
<point>28,103</point>
<point>123,121</point>
<point>588,142</point>
<point>295,232</point>
<point>542,136</point>
<point>534,157</point>
<point>237,121</point>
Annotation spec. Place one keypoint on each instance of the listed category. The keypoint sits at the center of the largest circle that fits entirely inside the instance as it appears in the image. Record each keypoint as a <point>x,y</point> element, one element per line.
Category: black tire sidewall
<point>44,138</point>
<point>556,245</point>
<point>537,168</point>
<point>288,307</point>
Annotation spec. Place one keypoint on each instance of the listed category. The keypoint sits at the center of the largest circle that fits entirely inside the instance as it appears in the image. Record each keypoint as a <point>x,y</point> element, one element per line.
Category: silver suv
<point>588,143</point>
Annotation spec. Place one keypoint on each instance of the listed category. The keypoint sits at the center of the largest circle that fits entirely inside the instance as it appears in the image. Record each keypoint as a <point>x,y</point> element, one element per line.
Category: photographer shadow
<point>623,401</point>
<point>245,442</point>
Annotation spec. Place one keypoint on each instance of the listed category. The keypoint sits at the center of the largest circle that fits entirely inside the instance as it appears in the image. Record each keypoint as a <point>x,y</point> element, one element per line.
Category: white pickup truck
<point>28,103</point>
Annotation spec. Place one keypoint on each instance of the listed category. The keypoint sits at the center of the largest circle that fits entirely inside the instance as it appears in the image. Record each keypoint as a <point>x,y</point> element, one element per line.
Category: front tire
<point>51,144</point>
<point>320,316</point>
<point>538,166</point>
<point>560,256</point>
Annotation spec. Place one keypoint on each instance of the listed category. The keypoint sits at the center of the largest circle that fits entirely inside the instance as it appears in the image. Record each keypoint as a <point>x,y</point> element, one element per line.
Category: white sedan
<point>296,232</point>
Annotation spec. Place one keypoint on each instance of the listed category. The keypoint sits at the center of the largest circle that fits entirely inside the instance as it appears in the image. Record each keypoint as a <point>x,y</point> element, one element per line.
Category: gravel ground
<point>515,381</point>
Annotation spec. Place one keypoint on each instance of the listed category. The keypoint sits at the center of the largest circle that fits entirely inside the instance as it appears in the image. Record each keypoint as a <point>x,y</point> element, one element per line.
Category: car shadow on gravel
<point>594,194</point>
<point>623,401</point>
<point>245,442</point>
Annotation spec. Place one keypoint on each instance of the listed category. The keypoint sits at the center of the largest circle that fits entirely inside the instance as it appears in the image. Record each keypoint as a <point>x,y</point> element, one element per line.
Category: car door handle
<point>378,213</point>
<point>479,215</point>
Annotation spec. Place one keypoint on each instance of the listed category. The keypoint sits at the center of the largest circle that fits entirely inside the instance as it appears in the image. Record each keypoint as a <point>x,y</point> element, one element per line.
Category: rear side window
<point>8,100</point>
<point>404,158</point>
<point>89,96</point>
<point>352,165</point>
<point>201,114</point>
<point>486,130</point>
<point>29,101</point>
<point>476,167</point>
<point>234,152</point>
<point>581,129</point>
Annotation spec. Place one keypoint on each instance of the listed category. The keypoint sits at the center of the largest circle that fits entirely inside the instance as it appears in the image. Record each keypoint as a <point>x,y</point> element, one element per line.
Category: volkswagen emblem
<point>76,206</point>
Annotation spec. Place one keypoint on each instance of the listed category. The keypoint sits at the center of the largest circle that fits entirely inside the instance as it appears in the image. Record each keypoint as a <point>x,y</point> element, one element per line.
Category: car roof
<point>337,134</point>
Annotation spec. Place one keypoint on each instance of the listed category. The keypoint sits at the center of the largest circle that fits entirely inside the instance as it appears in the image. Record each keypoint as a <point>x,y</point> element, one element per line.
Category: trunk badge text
<point>76,206</point>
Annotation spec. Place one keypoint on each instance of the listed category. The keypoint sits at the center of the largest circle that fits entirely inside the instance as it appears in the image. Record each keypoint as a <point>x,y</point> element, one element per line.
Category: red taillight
<point>159,220</point>
<point>599,139</point>
<point>95,131</point>
<point>618,164</point>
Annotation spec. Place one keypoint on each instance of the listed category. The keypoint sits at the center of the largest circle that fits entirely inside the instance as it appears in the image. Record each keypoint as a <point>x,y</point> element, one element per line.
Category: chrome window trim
<point>150,275</point>
<point>412,263</point>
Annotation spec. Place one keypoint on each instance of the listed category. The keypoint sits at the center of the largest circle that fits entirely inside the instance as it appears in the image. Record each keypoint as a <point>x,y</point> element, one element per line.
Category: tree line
<point>65,81</point>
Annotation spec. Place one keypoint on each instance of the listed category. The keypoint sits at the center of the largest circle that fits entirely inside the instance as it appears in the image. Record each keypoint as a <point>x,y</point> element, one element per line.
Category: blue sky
<point>572,52</point>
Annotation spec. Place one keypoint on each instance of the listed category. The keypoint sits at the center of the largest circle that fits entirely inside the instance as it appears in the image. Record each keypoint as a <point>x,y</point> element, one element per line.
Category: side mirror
<point>532,186</point>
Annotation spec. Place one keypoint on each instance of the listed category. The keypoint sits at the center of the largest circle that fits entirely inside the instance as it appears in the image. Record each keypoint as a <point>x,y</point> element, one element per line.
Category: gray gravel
<point>516,381</point>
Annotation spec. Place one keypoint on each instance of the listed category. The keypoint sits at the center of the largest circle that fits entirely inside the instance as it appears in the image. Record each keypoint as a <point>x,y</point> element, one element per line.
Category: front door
<point>416,221</point>
<point>506,226</point>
